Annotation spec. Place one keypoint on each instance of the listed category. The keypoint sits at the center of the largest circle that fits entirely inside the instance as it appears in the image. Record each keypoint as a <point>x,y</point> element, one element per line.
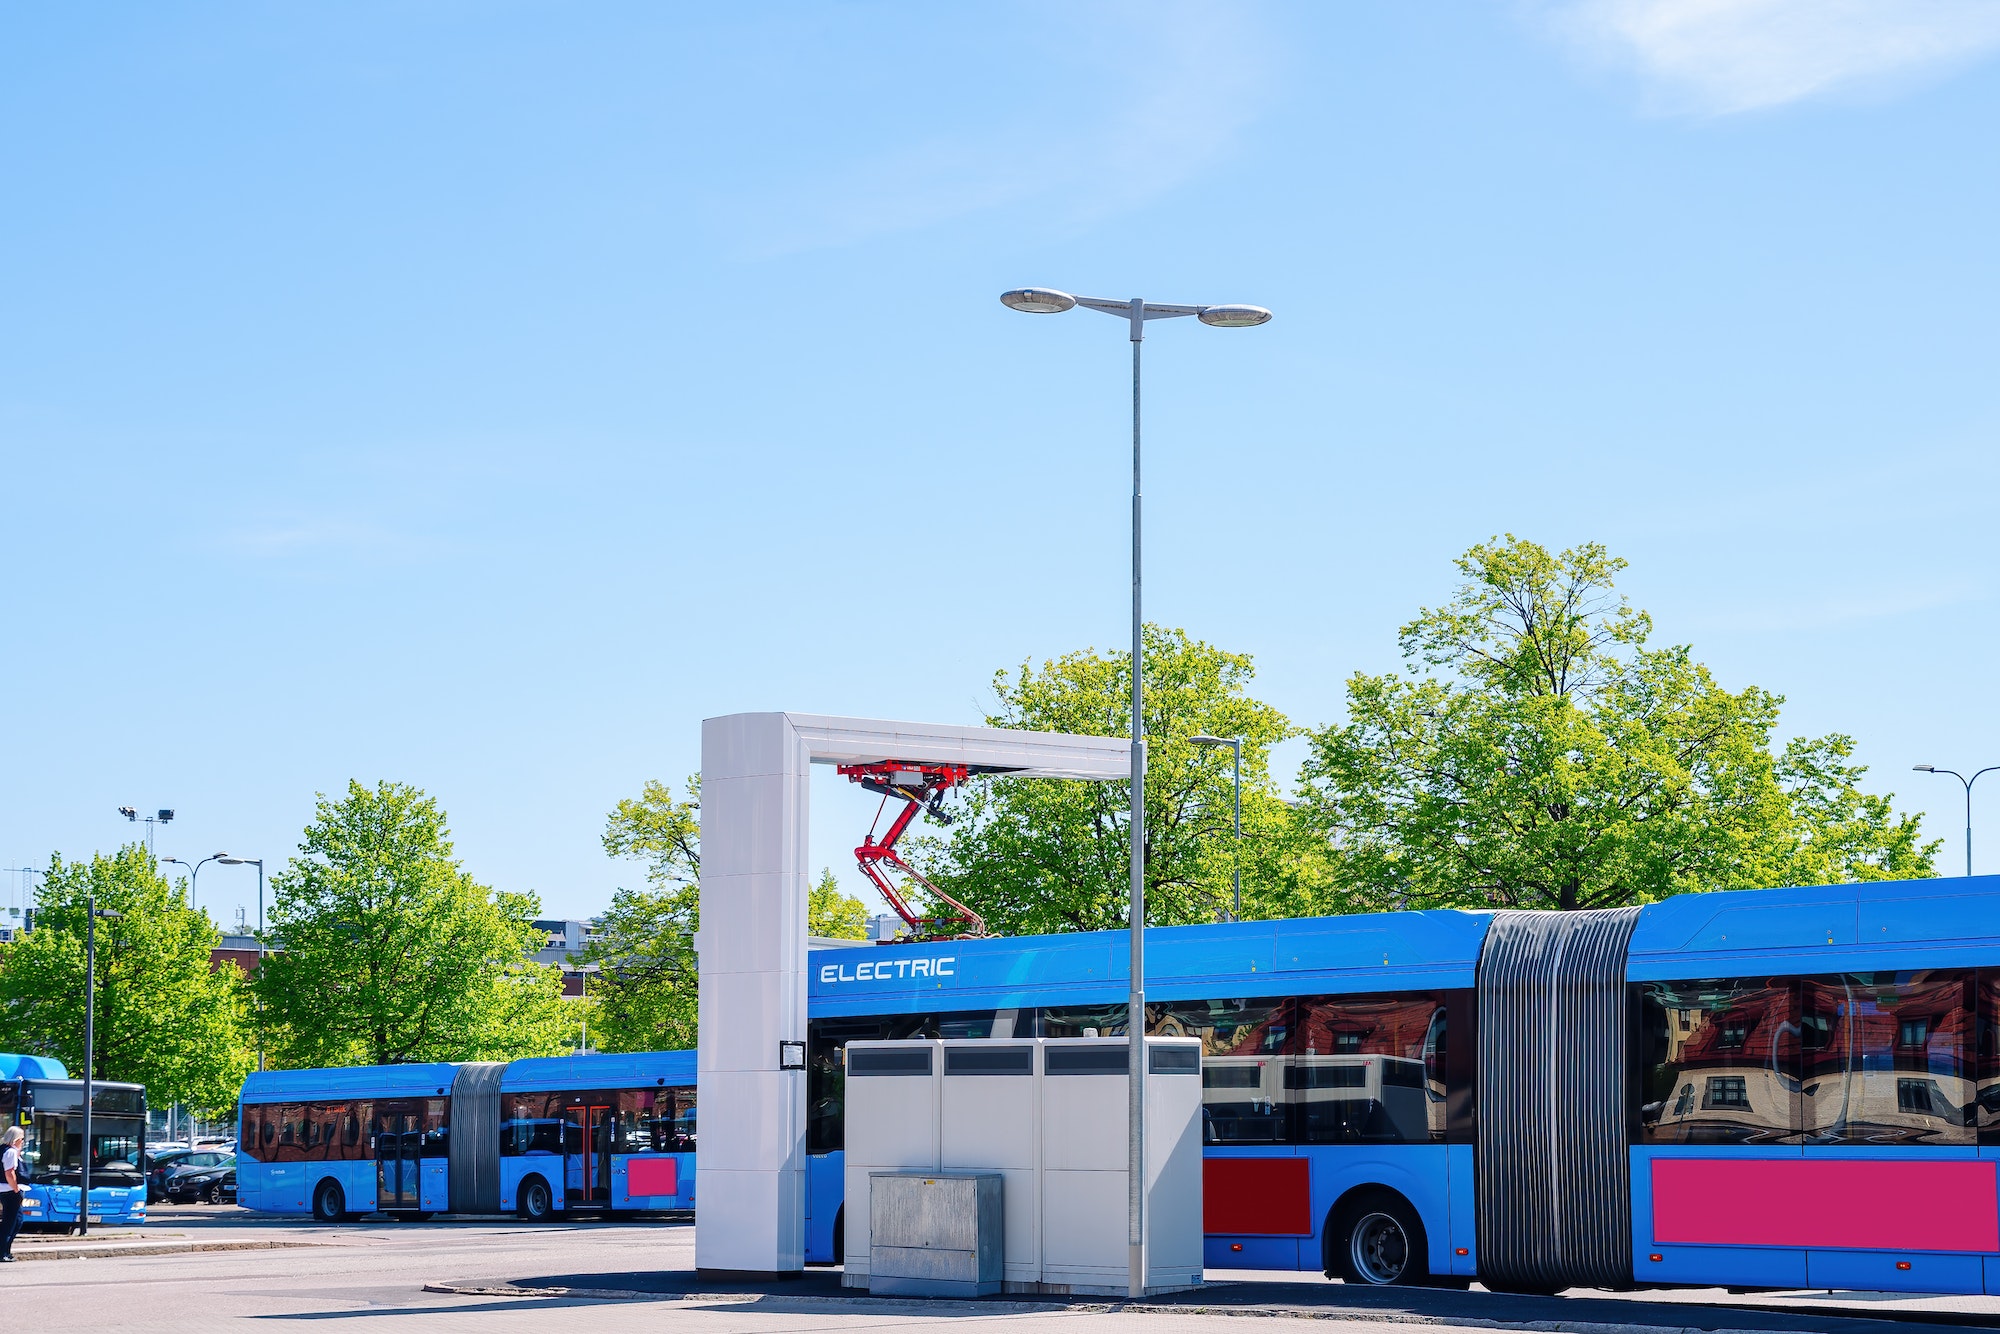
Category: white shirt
<point>10,1161</point>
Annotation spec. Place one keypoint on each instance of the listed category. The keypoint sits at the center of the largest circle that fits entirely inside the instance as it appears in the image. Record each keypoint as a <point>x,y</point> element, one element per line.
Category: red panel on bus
<point>1874,1204</point>
<point>652,1176</point>
<point>1257,1197</point>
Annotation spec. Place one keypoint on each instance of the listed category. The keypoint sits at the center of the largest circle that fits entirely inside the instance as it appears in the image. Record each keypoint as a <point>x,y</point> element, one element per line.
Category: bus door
<point>399,1146</point>
<point>587,1155</point>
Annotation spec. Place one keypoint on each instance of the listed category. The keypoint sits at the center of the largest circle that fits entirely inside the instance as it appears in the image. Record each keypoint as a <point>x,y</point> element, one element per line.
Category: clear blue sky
<point>480,395</point>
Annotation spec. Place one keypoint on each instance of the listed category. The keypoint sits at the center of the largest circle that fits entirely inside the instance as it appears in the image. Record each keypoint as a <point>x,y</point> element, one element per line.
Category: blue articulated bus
<point>1777,1088</point>
<point>543,1137</point>
<point>37,1094</point>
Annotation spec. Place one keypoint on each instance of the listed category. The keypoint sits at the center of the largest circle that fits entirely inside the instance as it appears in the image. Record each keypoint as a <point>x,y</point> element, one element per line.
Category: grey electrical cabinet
<point>935,1234</point>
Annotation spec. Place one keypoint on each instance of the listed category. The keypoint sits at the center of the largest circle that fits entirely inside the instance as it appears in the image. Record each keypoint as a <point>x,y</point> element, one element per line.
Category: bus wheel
<point>329,1205</point>
<point>535,1204</point>
<point>1378,1240</point>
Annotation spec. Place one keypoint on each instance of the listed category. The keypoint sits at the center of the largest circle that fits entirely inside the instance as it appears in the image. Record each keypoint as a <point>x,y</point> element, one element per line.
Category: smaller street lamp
<point>583,971</point>
<point>93,912</point>
<point>1235,744</point>
<point>1933,769</point>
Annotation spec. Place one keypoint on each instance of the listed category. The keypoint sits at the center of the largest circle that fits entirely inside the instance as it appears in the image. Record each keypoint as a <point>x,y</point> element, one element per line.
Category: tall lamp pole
<point>92,913</point>
<point>1933,769</point>
<point>1235,744</point>
<point>257,862</point>
<point>1135,311</point>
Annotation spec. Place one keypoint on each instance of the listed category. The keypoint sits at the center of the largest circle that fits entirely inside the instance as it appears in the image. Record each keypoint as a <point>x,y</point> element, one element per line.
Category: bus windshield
<point>52,1153</point>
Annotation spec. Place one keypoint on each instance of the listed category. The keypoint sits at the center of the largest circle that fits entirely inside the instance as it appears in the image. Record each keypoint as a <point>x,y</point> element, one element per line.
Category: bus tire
<point>329,1203</point>
<point>1375,1238</point>
<point>534,1202</point>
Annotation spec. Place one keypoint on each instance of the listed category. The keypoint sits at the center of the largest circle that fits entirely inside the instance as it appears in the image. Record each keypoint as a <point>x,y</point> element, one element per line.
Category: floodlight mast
<point>1050,301</point>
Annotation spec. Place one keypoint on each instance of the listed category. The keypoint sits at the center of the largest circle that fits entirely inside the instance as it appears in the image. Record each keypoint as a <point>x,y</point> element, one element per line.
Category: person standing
<point>10,1190</point>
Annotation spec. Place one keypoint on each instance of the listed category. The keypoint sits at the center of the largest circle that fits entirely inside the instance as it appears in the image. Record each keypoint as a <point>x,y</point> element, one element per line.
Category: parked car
<point>207,1182</point>
<point>161,1161</point>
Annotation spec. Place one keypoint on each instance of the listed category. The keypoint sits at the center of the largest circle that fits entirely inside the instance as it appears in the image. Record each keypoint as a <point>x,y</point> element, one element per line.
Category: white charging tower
<point>755,873</point>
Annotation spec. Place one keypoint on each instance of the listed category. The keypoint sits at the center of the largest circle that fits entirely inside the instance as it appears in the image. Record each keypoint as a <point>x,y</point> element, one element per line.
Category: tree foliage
<point>392,952</point>
<point>833,914</point>
<point>1037,854</point>
<point>165,1018</point>
<point>644,943</point>
<point>1538,753</point>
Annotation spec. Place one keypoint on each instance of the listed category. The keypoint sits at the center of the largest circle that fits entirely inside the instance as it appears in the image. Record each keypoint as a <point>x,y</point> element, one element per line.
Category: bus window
<point>1083,1021</point>
<point>531,1123</point>
<point>1243,1098</point>
<point>1718,1061</point>
<point>682,1136</point>
<point>1989,1056</point>
<point>1360,1073</point>
<point>1888,1059</point>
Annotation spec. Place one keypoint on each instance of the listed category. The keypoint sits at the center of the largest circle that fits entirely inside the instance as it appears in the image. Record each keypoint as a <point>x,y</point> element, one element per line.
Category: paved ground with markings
<point>507,1278</point>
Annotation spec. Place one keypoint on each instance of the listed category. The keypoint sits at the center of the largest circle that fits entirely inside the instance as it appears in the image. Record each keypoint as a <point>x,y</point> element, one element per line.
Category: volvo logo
<point>889,970</point>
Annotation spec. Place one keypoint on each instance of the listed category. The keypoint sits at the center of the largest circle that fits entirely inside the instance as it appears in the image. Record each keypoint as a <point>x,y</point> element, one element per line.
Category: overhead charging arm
<point>921,787</point>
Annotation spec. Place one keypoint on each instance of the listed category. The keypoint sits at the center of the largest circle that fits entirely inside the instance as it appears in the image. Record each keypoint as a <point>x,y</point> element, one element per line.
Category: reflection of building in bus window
<point>1718,1061</point>
<point>1889,1058</point>
<point>1988,1055</point>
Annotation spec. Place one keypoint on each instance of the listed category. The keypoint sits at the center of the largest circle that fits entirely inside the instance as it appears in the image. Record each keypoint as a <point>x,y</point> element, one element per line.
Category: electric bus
<point>37,1094</point>
<point>1781,1088</point>
<point>544,1137</point>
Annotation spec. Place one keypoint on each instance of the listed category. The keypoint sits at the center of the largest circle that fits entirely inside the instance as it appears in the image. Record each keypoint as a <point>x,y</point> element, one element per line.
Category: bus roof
<point>14,1066</point>
<point>359,1081</point>
<point>1872,925</point>
<point>605,1071</point>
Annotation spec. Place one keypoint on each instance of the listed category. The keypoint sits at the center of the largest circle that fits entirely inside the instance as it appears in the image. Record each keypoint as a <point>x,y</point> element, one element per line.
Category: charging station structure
<point>755,875</point>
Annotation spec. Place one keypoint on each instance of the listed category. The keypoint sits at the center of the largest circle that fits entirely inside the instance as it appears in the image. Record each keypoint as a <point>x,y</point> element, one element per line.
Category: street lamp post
<point>257,862</point>
<point>583,971</point>
<point>92,913</point>
<point>1933,769</point>
<point>1235,744</point>
<point>1136,311</point>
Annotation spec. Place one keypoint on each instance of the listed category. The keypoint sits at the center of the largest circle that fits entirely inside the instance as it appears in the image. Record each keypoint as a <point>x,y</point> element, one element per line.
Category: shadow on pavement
<point>1413,1304</point>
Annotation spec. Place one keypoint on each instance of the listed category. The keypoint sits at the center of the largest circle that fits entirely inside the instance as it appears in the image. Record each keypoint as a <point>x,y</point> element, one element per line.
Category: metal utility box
<point>935,1234</point>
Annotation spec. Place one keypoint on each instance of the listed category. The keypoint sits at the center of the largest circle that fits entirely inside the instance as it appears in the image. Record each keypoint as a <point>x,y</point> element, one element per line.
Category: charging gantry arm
<point>921,787</point>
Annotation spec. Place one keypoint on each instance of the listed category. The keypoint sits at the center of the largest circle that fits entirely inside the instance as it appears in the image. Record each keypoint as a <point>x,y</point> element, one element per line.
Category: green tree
<point>833,914</point>
<point>1537,753</point>
<point>392,952</point>
<point>1038,855</point>
<point>165,1017</point>
<point>644,943</point>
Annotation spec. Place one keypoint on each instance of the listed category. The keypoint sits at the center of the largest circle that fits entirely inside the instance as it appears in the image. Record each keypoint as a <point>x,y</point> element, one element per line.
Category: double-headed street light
<point>1136,311</point>
<point>194,871</point>
<point>1235,744</point>
<point>1933,769</point>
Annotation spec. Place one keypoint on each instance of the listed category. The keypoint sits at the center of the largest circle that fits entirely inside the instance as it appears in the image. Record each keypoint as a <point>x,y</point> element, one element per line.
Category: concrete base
<point>1097,1289</point>
<point>883,1286</point>
<point>750,1275</point>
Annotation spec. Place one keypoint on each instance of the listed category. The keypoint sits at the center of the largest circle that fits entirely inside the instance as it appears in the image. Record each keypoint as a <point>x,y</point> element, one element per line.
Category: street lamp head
<point>238,861</point>
<point>109,913</point>
<point>1041,301</point>
<point>1925,768</point>
<point>1211,741</point>
<point>1234,317</point>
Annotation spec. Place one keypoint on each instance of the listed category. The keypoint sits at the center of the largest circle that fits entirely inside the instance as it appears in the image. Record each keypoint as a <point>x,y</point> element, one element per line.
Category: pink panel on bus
<point>1863,1204</point>
<point>652,1176</point>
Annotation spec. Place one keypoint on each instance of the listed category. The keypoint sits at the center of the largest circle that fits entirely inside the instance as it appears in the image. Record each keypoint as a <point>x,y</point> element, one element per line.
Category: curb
<point>113,1250</point>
